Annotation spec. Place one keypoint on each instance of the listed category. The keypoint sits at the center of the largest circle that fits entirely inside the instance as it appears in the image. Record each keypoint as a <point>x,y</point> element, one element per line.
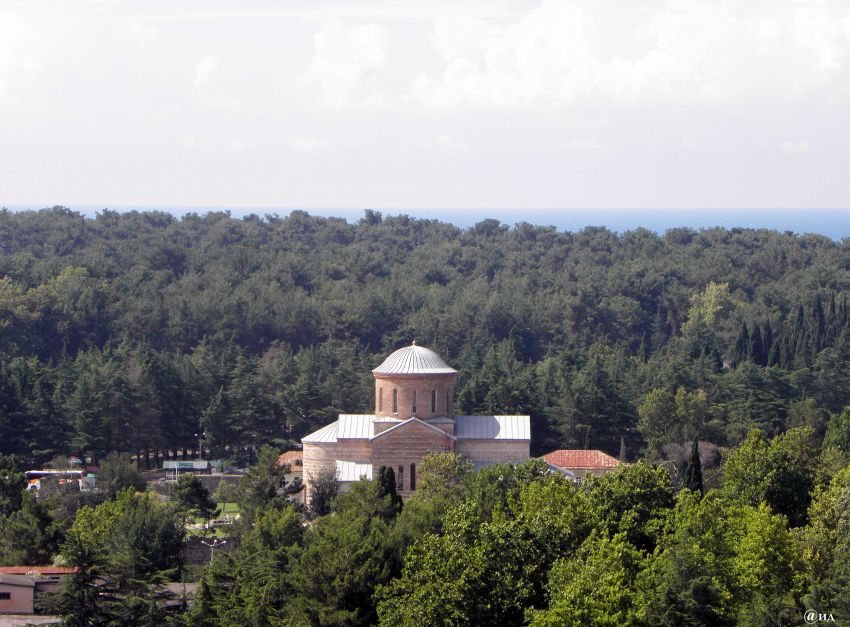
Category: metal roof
<point>323,435</point>
<point>361,427</point>
<point>195,464</point>
<point>352,471</point>
<point>414,360</point>
<point>355,426</point>
<point>17,580</point>
<point>493,427</point>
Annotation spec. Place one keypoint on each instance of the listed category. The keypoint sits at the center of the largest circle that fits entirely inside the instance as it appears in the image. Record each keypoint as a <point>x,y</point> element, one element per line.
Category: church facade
<point>414,415</point>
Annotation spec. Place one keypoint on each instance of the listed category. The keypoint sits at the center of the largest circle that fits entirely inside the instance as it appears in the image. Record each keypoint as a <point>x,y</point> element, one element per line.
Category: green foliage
<point>693,475</point>
<point>825,544</point>
<point>346,555</point>
<point>324,490</point>
<point>262,485</point>
<point>387,487</point>
<point>193,497</point>
<point>634,500</point>
<point>120,549</point>
<point>441,476</point>
<point>489,572</point>
<point>28,535</point>
<point>117,473</point>
<point>838,431</point>
<point>252,586</point>
<point>781,473</point>
<point>721,563</point>
<point>12,484</point>
<point>594,587</point>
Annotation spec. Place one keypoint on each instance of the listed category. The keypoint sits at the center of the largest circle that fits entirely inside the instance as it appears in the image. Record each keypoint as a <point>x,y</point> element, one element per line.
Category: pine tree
<point>693,475</point>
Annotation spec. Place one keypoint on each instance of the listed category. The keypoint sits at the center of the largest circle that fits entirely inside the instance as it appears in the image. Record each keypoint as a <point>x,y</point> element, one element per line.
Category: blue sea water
<point>832,223</point>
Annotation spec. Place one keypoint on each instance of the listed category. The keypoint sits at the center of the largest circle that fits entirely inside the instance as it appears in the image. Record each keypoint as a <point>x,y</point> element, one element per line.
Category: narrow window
<point>448,411</point>
<point>433,401</point>
<point>412,477</point>
<point>400,480</point>
<point>414,402</point>
<point>5,596</point>
<point>380,400</point>
<point>395,401</point>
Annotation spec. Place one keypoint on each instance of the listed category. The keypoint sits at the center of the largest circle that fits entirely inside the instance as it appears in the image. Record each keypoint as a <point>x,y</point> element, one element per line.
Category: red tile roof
<point>31,570</point>
<point>582,459</point>
<point>295,459</point>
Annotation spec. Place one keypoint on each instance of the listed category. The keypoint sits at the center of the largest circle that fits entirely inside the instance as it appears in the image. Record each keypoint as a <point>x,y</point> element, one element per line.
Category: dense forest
<point>136,331</point>
<point>718,359</point>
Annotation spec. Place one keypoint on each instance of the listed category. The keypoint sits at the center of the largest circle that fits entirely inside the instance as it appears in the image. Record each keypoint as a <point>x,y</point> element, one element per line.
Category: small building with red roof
<point>295,459</point>
<point>581,462</point>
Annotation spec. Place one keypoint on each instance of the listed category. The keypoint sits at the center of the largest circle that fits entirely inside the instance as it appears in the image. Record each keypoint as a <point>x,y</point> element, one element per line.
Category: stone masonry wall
<point>498,451</point>
<point>423,385</point>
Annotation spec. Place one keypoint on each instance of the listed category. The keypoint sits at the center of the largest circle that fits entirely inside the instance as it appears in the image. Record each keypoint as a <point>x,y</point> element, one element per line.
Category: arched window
<point>395,401</point>
<point>412,477</point>
<point>413,405</point>
<point>433,401</point>
<point>380,400</point>
<point>400,480</point>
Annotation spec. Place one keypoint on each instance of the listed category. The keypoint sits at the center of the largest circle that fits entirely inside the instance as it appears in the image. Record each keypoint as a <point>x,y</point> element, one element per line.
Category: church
<point>414,415</point>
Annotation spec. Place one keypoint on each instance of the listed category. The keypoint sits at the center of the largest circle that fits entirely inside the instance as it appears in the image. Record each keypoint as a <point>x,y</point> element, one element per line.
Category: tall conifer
<point>693,475</point>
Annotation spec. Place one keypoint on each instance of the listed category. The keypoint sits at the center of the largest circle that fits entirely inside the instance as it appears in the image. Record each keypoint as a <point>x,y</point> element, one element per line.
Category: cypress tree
<point>693,475</point>
<point>643,350</point>
<point>796,335</point>
<point>756,349</point>
<point>767,340</point>
<point>387,487</point>
<point>742,344</point>
<point>774,355</point>
<point>818,325</point>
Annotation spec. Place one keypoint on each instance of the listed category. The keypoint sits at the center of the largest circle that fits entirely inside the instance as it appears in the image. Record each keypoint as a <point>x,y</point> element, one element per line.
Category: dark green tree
<point>193,497</point>
<point>118,472</point>
<point>693,474</point>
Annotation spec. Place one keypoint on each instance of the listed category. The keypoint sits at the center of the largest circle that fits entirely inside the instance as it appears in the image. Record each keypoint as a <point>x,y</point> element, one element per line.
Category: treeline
<point>508,545</point>
<point>140,332</point>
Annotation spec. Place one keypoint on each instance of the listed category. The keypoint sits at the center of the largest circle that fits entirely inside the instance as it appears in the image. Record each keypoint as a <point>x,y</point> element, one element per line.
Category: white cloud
<point>308,144</point>
<point>206,72</point>
<point>447,143</point>
<point>347,64</point>
<point>670,52</point>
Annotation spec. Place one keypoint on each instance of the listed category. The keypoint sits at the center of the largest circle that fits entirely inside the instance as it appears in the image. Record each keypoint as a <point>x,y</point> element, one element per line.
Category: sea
<point>831,223</point>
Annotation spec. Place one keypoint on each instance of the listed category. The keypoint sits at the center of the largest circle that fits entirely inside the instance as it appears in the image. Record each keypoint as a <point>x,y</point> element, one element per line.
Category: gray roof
<point>352,471</point>
<point>323,435</point>
<point>493,428</point>
<point>195,464</point>
<point>17,580</point>
<point>355,426</point>
<point>361,426</point>
<point>414,360</point>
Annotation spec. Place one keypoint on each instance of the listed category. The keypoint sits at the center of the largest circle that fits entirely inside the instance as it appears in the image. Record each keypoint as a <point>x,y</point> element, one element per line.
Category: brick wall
<point>405,386</point>
<point>498,451</point>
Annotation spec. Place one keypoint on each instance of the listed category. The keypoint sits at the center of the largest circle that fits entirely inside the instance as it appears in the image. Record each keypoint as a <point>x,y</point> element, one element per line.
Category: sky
<point>452,105</point>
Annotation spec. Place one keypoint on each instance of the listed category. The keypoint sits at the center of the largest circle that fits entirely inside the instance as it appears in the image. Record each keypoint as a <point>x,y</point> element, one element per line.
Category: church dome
<point>414,360</point>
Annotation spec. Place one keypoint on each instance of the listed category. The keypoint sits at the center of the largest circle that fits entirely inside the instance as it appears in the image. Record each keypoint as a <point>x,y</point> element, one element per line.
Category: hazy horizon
<point>832,223</point>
